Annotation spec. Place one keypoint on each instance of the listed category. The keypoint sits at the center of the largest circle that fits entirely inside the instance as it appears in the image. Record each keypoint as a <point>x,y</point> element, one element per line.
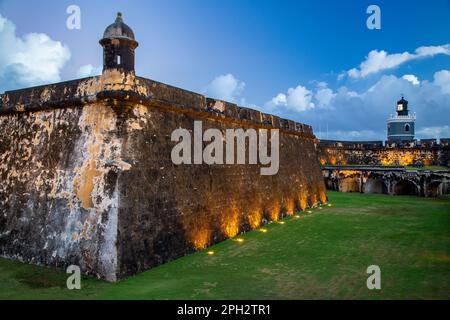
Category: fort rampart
<point>426,152</point>
<point>87,177</point>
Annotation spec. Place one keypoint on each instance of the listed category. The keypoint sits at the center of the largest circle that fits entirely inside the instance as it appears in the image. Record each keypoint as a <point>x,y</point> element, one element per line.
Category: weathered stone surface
<point>58,202</point>
<point>87,178</point>
<point>383,180</point>
<point>421,153</point>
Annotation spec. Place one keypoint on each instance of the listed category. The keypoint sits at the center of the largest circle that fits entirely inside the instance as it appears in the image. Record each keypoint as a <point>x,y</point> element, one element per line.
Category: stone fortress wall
<point>425,152</point>
<point>375,167</point>
<point>87,177</point>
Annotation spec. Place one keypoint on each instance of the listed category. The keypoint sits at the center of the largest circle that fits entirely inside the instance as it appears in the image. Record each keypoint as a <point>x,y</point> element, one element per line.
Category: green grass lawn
<point>324,254</point>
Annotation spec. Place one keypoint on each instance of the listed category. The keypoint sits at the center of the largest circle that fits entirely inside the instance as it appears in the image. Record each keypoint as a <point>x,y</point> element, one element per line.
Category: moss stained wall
<point>406,156</point>
<point>58,201</point>
<point>167,210</point>
<point>87,178</point>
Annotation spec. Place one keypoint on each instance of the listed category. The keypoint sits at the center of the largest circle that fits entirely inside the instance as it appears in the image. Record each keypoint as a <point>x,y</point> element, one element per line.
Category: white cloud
<point>351,115</point>
<point>321,84</point>
<point>343,91</point>
<point>324,96</point>
<point>434,132</point>
<point>89,70</point>
<point>300,99</point>
<point>279,100</point>
<point>297,99</point>
<point>412,78</point>
<point>225,87</point>
<point>342,75</point>
<point>30,60</point>
<point>243,103</point>
<point>433,50</point>
<point>378,61</point>
<point>442,79</point>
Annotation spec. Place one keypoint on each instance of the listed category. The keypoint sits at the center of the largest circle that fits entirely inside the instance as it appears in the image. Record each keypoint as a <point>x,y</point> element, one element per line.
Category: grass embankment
<point>320,255</point>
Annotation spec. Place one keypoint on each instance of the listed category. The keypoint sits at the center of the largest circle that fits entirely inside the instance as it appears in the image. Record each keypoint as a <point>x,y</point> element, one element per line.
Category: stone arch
<point>445,187</point>
<point>405,187</point>
<point>407,127</point>
<point>375,185</point>
<point>349,184</point>
<point>434,189</point>
<point>331,184</point>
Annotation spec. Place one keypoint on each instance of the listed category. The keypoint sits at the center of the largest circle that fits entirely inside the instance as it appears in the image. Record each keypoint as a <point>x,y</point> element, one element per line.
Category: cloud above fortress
<point>225,87</point>
<point>30,60</point>
<point>296,99</point>
<point>89,70</point>
<point>314,67</point>
<point>378,61</point>
<point>351,114</point>
<point>347,114</point>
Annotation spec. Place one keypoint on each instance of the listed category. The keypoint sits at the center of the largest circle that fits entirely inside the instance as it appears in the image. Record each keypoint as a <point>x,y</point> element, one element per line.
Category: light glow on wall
<point>323,195</point>
<point>303,199</point>
<point>201,238</point>
<point>274,211</point>
<point>200,227</point>
<point>254,218</point>
<point>314,200</point>
<point>333,160</point>
<point>290,206</point>
<point>230,223</point>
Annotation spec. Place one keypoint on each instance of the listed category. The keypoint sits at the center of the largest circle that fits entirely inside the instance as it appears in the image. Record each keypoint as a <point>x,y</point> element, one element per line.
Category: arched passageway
<point>349,184</point>
<point>405,187</point>
<point>445,188</point>
<point>434,189</point>
<point>374,185</point>
<point>331,184</point>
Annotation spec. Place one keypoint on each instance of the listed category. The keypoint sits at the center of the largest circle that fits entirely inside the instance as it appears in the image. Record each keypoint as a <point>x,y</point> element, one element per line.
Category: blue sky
<point>310,61</point>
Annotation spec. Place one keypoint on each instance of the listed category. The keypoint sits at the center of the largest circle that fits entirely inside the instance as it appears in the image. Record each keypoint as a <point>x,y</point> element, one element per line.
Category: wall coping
<point>378,145</point>
<point>77,93</point>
